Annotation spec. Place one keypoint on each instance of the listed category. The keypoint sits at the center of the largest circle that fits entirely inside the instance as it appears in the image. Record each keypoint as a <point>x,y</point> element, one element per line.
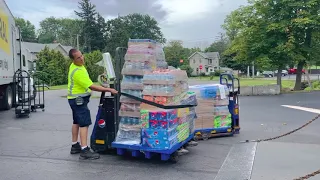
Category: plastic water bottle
<point>129,65</point>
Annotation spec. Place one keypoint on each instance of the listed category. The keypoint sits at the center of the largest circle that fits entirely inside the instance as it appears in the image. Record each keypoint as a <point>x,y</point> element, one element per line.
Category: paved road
<point>39,147</point>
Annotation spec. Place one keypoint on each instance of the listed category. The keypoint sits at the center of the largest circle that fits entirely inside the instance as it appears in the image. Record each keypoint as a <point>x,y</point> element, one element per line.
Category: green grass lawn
<point>259,82</point>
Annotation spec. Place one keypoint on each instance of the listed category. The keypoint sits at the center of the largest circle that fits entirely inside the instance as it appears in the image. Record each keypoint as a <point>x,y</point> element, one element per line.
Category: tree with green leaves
<point>132,26</point>
<point>90,62</point>
<point>278,32</point>
<point>28,30</point>
<point>175,52</point>
<point>60,30</point>
<point>219,46</point>
<point>240,28</point>
<point>301,31</point>
<point>93,29</point>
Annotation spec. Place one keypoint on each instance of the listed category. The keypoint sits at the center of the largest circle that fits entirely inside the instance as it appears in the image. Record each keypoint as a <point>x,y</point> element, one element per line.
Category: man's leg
<point>84,136</point>
<point>75,133</point>
<point>75,148</point>
<point>84,123</point>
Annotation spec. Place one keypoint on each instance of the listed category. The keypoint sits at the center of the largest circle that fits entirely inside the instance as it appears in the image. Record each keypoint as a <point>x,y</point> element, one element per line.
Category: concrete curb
<point>260,90</point>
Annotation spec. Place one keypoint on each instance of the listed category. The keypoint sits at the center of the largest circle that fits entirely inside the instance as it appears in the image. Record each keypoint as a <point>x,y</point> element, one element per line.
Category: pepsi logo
<point>101,123</point>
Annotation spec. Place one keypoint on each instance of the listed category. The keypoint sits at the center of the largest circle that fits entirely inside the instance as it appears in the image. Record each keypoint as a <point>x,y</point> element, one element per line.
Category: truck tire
<point>8,98</point>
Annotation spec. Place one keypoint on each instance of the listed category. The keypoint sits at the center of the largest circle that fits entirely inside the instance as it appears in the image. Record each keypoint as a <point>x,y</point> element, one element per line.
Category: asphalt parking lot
<point>38,147</point>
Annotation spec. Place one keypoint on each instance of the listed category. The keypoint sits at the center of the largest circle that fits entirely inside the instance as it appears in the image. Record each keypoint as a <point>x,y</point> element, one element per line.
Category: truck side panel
<point>7,45</point>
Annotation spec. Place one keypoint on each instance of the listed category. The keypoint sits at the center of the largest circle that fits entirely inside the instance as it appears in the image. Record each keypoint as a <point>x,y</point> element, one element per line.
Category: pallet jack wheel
<point>174,157</point>
<point>196,138</point>
<point>205,136</point>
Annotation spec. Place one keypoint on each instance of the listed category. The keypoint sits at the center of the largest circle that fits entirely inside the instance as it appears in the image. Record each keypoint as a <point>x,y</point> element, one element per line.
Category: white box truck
<point>11,57</point>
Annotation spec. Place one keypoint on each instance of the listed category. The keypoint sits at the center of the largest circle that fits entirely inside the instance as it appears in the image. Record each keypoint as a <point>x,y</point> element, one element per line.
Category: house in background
<point>209,61</point>
<point>32,49</point>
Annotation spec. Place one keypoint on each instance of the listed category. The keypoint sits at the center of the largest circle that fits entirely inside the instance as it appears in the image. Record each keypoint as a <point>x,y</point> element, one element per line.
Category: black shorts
<point>81,113</point>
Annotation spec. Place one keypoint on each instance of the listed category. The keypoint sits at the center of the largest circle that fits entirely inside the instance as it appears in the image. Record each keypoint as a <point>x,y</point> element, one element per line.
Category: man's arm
<point>84,80</point>
<point>102,89</point>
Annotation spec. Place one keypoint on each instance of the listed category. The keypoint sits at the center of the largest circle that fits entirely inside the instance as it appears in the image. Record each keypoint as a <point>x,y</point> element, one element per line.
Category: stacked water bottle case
<point>145,75</point>
<point>162,129</point>
<point>143,56</point>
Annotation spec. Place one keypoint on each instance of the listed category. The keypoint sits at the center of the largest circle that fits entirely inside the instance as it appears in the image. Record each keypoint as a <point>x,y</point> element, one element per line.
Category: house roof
<point>37,47</point>
<point>207,55</point>
<point>67,48</point>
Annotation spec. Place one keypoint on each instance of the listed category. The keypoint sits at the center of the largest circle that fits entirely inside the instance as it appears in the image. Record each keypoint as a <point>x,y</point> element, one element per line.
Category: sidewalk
<point>270,161</point>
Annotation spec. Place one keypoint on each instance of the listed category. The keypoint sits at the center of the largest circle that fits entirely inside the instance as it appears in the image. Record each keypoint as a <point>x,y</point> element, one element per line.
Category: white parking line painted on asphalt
<point>317,111</point>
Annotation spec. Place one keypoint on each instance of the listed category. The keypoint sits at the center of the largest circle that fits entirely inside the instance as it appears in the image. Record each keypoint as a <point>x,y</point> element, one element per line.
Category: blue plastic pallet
<point>138,150</point>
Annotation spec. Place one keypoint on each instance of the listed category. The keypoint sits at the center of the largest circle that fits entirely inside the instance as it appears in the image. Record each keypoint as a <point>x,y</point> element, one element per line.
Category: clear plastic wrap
<point>165,77</point>
<point>212,110</point>
<point>211,91</point>
<point>183,131</point>
<point>191,119</point>
<point>220,110</point>
<point>159,128</point>
<point>132,82</point>
<point>133,92</point>
<point>163,100</point>
<point>130,110</point>
<point>165,83</point>
<point>141,57</point>
<point>144,43</point>
<point>128,137</point>
<point>156,143</point>
<point>189,99</point>
<point>129,131</point>
<point>137,67</point>
<point>221,121</point>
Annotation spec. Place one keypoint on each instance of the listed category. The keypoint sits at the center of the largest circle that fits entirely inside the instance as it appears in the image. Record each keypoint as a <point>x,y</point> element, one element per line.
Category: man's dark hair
<point>71,52</point>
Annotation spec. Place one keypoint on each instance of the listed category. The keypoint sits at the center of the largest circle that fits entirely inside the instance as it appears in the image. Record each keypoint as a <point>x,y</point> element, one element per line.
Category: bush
<point>202,74</point>
<point>53,68</point>
<point>217,73</point>
<point>315,85</point>
<point>187,68</point>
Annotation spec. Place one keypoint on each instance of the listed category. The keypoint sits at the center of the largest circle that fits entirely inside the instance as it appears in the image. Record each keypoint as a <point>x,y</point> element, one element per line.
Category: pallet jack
<point>107,119</point>
<point>233,106</point>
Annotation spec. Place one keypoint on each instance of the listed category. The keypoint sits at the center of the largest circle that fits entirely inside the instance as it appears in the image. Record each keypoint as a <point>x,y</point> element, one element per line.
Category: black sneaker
<point>88,153</point>
<point>75,148</point>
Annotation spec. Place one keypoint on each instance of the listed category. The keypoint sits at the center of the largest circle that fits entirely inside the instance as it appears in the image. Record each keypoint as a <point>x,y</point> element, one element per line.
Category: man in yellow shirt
<point>79,92</point>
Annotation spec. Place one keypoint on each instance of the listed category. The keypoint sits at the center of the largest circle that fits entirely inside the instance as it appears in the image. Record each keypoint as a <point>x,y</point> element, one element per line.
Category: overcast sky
<point>196,22</point>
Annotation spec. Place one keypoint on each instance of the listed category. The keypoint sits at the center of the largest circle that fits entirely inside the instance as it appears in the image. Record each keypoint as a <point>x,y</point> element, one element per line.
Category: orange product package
<point>148,98</point>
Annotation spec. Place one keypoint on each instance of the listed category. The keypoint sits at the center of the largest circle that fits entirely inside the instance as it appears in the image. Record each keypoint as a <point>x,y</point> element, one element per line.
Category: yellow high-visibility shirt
<point>78,82</point>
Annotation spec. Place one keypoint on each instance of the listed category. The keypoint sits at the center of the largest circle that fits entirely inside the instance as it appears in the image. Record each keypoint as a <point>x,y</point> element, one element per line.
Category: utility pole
<point>253,69</point>
<point>78,42</point>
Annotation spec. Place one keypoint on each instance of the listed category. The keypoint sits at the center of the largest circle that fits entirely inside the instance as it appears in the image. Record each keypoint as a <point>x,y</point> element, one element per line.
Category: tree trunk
<point>297,86</point>
<point>302,63</point>
<point>279,74</point>
<point>308,78</point>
